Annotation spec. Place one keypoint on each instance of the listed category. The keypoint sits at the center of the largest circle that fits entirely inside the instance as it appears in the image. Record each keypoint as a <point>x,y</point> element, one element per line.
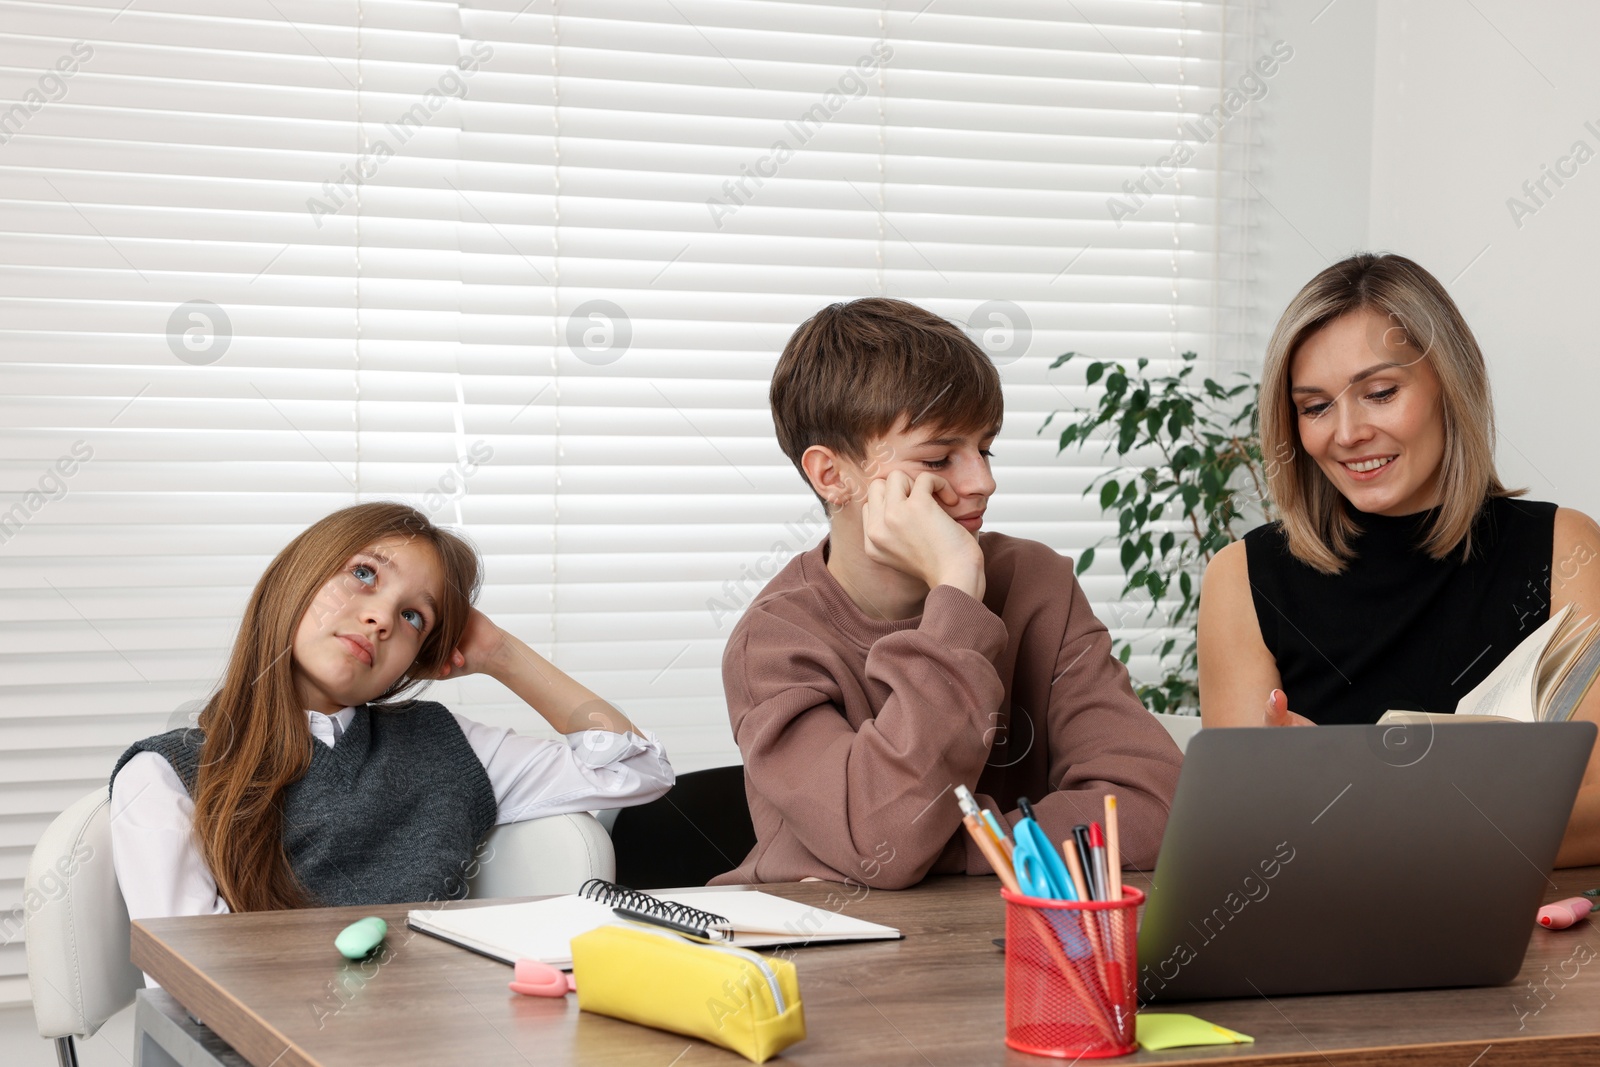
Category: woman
<point>1402,571</point>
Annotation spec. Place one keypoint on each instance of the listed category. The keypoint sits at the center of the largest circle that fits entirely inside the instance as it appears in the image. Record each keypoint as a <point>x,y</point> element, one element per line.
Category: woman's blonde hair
<point>257,740</point>
<point>1319,530</point>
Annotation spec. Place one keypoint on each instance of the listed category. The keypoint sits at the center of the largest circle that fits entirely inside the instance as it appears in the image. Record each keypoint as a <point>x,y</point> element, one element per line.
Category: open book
<point>1543,679</point>
<point>543,929</point>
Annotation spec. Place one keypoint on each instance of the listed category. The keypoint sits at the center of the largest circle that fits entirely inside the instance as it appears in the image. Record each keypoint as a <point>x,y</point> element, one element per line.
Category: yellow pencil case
<point>721,994</point>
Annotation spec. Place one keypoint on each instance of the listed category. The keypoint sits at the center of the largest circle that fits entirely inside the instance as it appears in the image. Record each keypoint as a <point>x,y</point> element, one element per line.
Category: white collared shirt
<point>158,861</point>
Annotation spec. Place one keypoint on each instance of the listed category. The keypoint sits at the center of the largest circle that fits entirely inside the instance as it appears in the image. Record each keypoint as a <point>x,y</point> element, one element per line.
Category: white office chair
<point>543,856</point>
<point>77,930</point>
<point>1181,727</point>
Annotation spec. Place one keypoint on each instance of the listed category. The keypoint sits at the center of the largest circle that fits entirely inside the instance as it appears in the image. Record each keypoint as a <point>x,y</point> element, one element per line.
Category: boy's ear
<point>828,474</point>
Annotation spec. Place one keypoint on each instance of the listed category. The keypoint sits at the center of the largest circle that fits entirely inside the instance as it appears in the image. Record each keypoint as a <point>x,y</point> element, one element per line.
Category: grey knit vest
<point>391,814</point>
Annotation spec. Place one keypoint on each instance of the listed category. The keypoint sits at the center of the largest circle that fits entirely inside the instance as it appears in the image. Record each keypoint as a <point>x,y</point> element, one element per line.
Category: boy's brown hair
<point>852,370</point>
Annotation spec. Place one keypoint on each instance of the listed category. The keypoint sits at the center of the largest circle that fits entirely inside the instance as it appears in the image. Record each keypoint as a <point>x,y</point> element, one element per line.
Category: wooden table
<point>272,987</point>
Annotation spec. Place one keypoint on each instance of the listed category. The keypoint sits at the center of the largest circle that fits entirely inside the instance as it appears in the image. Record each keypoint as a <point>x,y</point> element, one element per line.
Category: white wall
<point>1405,126</point>
<point>1313,163</point>
<point>1467,107</point>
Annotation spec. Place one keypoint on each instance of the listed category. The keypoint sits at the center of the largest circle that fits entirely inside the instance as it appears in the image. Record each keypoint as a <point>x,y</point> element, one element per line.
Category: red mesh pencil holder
<point>1071,974</point>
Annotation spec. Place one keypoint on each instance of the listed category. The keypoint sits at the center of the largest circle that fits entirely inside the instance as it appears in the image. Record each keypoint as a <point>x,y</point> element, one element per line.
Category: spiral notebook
<point>543,929</point>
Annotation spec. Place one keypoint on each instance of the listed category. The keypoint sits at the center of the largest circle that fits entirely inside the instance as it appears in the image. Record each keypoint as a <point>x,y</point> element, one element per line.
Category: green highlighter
<point>358,940</point>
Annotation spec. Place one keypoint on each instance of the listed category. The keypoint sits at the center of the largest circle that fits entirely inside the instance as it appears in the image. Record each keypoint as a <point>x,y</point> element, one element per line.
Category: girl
<point>1402,571</point>
<point>310,781</point>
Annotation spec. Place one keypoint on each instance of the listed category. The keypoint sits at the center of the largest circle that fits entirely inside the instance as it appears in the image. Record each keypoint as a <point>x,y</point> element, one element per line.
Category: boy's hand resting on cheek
<point>906,527</point>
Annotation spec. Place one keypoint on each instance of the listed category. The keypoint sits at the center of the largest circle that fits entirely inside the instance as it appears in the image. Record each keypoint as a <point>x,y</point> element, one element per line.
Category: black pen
<point>1080,837</point>
<point>671,924</point>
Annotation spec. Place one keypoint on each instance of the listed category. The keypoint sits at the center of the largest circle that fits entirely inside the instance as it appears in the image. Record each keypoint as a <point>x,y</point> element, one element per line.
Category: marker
<point>1097,851</point>
<point>1080,838</point>
<point>1563,913</point>
<point>535,979</point>
<point>361,938</point>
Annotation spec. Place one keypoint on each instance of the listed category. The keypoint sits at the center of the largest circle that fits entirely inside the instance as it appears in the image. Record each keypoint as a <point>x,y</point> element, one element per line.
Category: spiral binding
<point>620,896</point>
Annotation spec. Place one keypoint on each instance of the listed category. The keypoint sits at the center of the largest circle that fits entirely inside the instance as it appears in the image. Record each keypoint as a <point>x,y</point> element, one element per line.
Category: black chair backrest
<point>699,830</point>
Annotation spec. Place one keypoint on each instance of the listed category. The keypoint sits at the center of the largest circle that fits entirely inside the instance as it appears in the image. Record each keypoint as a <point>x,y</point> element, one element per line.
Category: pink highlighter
<point>1563,913</point>
<point>535,979</point>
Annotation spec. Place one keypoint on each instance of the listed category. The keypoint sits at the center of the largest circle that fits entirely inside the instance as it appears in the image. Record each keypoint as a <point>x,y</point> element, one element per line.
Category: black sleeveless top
<point>1398,629</point>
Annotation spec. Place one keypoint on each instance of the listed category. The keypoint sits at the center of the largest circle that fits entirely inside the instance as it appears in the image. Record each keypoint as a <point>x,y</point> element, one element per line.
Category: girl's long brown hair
<point>257,739</point>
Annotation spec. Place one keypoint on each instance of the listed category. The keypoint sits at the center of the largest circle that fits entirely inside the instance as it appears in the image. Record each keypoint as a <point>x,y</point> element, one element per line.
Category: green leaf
<point>1175,512</point>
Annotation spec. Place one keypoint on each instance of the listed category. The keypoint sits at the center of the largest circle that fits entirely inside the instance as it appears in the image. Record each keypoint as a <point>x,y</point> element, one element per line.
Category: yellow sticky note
<point>1174,1030</point>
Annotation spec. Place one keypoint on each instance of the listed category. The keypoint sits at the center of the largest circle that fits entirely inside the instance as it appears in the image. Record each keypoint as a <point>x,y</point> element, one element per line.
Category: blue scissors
<point>1039,869</point>
<point>1041,873</point>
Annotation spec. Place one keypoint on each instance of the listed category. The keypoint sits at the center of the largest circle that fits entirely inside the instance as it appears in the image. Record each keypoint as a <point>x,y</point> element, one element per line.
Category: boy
<point>907,654</point>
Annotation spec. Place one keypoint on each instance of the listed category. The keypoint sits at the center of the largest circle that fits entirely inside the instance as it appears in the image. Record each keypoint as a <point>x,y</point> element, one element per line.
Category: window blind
<point>529,266</point>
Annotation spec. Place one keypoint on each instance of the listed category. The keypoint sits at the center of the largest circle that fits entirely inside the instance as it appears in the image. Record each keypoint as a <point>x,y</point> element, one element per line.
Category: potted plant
<point>1205,481</point>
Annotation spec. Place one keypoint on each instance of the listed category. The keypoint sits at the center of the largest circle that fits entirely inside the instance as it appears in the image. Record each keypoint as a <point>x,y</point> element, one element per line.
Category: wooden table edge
<point>222,1014</point>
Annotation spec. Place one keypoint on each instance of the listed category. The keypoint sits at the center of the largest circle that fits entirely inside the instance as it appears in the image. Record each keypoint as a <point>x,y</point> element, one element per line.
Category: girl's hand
<point>1278,713</point>
<point>482,645</point>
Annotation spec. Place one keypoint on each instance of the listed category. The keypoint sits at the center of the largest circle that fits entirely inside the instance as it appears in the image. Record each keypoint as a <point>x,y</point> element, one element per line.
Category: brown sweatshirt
<point>855,731</point>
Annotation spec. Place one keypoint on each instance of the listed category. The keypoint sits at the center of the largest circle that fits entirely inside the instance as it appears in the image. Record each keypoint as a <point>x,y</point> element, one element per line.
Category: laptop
<point>1346,858</point>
